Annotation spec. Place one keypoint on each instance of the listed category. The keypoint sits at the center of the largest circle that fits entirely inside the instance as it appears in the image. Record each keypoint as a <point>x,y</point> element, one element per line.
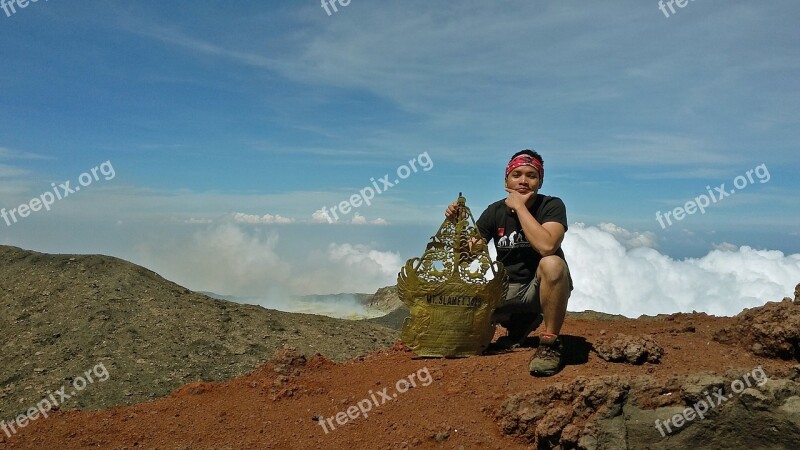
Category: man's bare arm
<point>545,238</point>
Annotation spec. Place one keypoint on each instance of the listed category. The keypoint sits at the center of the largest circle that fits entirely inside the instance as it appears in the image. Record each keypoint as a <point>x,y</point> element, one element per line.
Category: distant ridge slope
<point>61,315</point>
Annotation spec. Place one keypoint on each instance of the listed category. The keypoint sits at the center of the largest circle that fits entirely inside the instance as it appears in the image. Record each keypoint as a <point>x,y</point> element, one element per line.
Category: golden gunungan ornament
<point>449,291</point>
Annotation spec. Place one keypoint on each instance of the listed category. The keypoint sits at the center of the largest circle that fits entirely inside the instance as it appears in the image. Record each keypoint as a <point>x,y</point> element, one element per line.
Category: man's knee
<point>553,269</point>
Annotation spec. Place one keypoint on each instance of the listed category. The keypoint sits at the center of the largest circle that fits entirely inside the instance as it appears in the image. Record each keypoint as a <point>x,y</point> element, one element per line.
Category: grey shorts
<point>521,298</point>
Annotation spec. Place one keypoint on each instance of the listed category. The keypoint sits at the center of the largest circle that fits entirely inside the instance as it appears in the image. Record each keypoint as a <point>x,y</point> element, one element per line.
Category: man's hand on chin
<point>517,200</point>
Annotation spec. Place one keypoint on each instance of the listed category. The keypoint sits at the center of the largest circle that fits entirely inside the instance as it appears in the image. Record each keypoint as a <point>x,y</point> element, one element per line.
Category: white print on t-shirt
<point>514,240</point>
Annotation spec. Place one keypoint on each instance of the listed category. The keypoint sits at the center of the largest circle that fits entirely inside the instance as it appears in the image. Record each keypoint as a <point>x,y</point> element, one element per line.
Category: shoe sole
<point>541,374</point>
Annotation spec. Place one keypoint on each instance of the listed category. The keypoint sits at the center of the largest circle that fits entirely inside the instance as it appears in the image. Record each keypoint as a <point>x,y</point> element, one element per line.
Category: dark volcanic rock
<point>556,416</point>
<point>772,330</point>
<point>751,411</point>
<point>631,349</point>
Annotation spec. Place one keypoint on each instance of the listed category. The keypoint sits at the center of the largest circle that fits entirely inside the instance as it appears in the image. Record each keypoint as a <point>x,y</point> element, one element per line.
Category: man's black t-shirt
<point>513,249</point>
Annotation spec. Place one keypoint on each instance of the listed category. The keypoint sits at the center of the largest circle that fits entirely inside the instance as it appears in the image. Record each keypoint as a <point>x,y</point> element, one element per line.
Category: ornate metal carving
<point>449,293</point>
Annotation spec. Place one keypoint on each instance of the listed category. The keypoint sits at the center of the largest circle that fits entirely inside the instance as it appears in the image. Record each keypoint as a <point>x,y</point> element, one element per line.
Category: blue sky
<point>275,109</point>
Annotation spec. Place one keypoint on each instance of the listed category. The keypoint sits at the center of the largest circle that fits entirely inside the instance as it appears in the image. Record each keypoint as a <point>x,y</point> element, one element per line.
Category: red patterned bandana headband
<point>525,160</point>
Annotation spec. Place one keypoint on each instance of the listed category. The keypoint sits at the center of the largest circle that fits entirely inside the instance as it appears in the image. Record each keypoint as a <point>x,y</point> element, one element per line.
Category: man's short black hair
<point>530,153</point>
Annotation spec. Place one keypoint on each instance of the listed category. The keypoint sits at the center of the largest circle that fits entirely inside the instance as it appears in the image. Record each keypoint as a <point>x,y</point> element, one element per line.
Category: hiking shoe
<point>519,326</point>
<point>547,360</point>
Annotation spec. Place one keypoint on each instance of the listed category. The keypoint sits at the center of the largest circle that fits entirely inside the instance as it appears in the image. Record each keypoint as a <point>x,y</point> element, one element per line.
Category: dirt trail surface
<point>465,403</point>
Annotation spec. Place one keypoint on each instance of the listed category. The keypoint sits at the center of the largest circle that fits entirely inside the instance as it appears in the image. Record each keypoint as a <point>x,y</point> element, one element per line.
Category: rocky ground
<point>61,315</point>
<point>478,402</point>
<point>672,382</point>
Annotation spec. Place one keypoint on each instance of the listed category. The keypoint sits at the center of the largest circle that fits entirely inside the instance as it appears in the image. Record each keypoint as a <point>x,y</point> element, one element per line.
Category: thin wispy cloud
<point>6,153</point>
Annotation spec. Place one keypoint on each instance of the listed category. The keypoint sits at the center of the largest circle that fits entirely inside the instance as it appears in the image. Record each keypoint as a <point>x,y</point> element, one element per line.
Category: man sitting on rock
<point>527,229</point>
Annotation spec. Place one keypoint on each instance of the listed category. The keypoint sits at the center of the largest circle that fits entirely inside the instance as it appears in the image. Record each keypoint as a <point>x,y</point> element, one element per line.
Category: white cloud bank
<point>617,272</point>
<point>348,268</point>
<point>321,216</point>
<point>244,261</point>
<point>614,270</point>
<point>265,219</point>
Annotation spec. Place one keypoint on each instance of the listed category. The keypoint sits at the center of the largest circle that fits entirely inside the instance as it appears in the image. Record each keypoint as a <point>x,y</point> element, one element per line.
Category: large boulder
<point>772,330</point>
<point>746,410</point>
<point>630,349</point>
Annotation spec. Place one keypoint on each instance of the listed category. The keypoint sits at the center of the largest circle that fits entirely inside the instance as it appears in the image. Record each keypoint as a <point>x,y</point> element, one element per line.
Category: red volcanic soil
<point>276,406</point>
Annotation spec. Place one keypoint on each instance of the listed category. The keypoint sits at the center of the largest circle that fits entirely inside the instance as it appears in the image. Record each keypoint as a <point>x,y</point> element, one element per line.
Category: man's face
<point>523,179</point>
